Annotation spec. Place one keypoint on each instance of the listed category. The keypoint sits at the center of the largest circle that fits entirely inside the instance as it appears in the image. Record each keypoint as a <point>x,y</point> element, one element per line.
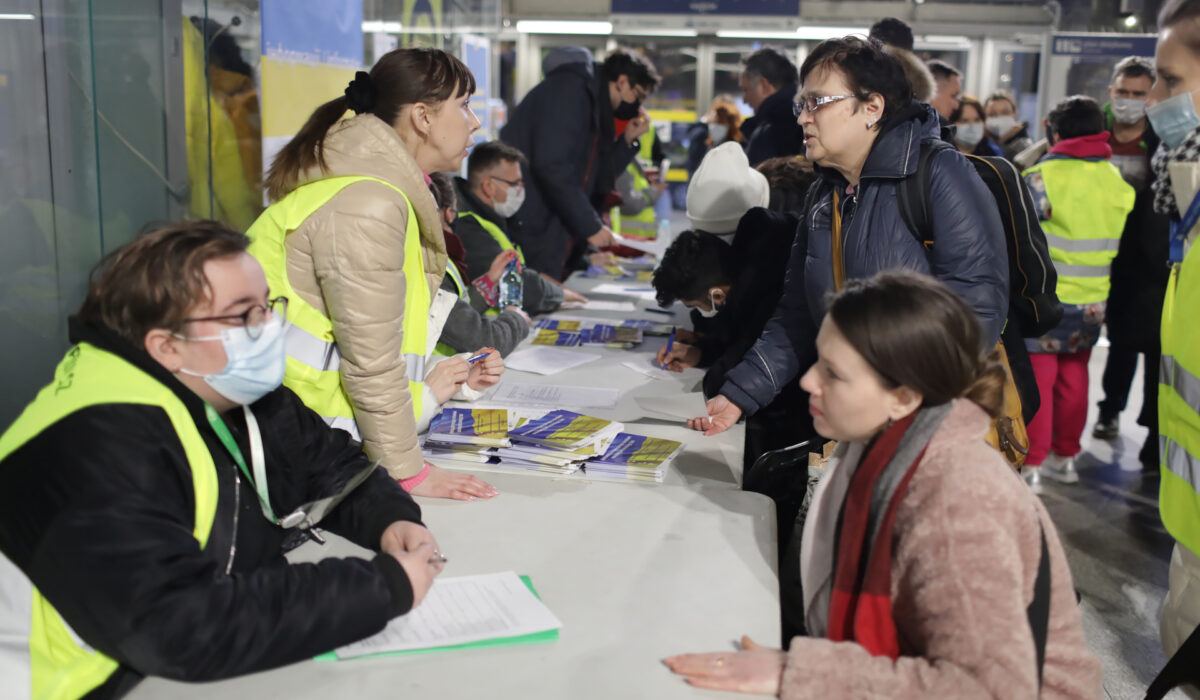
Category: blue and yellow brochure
<point>487,427</point>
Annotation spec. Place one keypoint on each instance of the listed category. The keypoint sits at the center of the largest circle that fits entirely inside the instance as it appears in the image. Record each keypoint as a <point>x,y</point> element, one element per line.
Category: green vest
<point>1090,202</point>
<point>60,665</point>
<point>494,231</point>
<point>1179,405</point>
<point>312,355</point>
<point>645,222</point>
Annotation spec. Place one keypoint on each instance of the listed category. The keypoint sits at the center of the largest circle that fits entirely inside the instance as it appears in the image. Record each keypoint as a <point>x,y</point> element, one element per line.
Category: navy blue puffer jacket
<point>968,254</point>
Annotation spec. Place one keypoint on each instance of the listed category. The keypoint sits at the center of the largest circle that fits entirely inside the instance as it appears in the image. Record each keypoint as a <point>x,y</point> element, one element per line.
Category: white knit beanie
<point>724,188</point>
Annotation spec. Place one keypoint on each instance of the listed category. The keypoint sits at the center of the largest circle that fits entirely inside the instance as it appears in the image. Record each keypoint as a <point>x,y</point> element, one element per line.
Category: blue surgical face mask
<point>254,367</point>
<point>1174,118</point>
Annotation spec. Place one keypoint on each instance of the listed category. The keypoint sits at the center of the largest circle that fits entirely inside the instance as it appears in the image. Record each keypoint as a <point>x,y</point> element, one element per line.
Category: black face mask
<point>627,110</point>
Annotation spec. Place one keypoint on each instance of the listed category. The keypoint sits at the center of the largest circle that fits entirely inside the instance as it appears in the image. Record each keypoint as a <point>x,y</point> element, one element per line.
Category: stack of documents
<point>618,337</point>
<point>565,432</point>
<point>485,427</point>
<point>634,457</point>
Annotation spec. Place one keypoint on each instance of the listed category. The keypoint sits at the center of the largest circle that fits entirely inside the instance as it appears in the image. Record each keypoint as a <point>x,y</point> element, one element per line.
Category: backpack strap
<point>915,193</point>
<point>1039,610</point>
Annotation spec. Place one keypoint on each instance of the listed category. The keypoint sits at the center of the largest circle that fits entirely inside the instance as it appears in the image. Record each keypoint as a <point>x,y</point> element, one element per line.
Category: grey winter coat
<point>968,254</point>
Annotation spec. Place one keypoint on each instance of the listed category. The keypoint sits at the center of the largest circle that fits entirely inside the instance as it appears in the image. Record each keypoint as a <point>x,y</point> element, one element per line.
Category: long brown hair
<point>915,332</point>
<point>155,280</point>
<point>400,77</point>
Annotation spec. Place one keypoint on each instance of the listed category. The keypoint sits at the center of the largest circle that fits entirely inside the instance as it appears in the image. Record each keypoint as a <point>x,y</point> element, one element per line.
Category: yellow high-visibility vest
<point>313,359</point>
<point>61,666</point>
<point>1179,405</point>
<point>1090,203</point>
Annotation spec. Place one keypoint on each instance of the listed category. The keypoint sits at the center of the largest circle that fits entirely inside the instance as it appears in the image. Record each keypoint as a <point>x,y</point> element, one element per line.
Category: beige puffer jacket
<point>347,261</point>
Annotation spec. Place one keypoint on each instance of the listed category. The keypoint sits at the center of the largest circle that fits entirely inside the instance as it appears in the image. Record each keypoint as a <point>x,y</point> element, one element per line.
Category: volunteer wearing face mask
<point>487,223</point>
<point>151,485</point>
<point>579,128</point>
<point>1002,126</point>
<point>970,136</point>
<point>1176,168</point>
<point>1126,116</point>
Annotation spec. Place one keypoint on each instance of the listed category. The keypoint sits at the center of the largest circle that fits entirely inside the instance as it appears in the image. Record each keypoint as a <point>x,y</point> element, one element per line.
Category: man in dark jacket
<point>1139,272</point>
<point>768,82</point>
<point>487,223</point>
<point>148,488</point>
<point>579,128</point>
<point>968,235</point>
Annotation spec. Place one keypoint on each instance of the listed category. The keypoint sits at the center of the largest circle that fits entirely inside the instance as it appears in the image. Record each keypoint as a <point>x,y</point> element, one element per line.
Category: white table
<point>635,574</point>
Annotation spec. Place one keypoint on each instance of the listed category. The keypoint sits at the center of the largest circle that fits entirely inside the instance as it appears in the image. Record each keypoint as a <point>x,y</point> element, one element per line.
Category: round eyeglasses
<point>812,103</point>
<point>251,319</point>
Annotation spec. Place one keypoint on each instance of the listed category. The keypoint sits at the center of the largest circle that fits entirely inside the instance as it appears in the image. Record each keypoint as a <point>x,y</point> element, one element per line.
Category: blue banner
<point>779,8</point>
<point>313,31</point>
<point>1100,45</point>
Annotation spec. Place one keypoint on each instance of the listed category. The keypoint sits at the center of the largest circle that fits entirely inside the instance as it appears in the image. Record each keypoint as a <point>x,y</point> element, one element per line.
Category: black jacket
<point>760,251</point>
<point>540,295</point>
<point>564,126</point>
<point>773,130</point>
<point>98,512</point>
<point>1139,272</point>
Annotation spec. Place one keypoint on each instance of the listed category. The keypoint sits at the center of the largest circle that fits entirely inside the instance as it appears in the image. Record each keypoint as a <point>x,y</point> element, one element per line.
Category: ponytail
<point>304,151</point>
<point>399,78</point>
<point>987,391</point>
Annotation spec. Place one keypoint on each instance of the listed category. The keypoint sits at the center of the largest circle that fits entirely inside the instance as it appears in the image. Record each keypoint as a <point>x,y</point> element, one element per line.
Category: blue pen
<point>478,357</point>
<point>670,342</point>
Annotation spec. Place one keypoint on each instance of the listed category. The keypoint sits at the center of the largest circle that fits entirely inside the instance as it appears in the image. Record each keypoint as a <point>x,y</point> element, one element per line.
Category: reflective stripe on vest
<point>313,360</point>
<point>41,657</point>
<point>1089,203</point>
<point>496,233</point>
<point>1179,405</point>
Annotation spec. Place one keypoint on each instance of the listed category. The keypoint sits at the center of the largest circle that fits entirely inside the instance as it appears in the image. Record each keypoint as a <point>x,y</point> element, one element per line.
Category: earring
<point>870,125</point>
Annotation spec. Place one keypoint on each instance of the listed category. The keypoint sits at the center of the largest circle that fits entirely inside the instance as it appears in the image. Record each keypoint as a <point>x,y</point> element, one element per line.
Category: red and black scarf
<point>860,603</point>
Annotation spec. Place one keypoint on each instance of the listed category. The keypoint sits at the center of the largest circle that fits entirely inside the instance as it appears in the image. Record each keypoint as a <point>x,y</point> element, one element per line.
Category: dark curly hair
<point>693,264</point>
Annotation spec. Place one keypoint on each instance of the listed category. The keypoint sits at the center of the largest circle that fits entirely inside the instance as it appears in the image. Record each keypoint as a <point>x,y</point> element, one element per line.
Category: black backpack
<point>1033,299</point>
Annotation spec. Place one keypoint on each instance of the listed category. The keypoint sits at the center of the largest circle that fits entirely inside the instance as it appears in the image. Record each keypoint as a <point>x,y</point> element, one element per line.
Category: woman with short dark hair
<point>864,133</point>
<point>928,568</point>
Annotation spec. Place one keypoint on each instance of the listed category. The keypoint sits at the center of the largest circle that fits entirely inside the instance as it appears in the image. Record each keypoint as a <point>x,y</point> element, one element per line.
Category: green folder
<point>547,636</point>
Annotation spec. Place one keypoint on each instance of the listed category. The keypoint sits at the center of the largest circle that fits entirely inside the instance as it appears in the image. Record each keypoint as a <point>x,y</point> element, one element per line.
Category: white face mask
<point>969,135</point>
<point>509,207</point>
<point>1127,111</point>
<point>717,132</point>
<point>1001,125</point>
<point>254,367</point>
<point>712,306</point>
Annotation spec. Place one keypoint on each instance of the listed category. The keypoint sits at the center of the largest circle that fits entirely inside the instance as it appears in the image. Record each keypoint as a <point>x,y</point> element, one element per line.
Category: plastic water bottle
<point>663,240</point>
<point>512,292</point>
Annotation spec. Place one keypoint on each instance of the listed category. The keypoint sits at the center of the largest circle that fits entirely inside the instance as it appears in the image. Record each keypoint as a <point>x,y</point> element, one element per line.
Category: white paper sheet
<point>681,406</point>
<point>556,395</point>
<point>547,360</point>
<point>650,369</point>
<point>594,305</point>
<point>654,246</point>
<point>459,611</point>
<point>641,290</point>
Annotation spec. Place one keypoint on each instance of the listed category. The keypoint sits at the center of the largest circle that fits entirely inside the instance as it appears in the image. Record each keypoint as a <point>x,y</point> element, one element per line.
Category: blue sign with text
<point>780,8</point>
<point>1093,45</point>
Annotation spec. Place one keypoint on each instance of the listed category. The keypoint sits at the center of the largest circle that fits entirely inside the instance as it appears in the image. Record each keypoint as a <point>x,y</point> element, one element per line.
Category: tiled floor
<point>1117,547</point>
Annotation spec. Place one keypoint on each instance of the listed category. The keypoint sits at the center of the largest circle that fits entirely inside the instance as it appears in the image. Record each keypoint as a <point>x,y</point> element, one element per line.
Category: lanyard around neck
<point>259,479</point>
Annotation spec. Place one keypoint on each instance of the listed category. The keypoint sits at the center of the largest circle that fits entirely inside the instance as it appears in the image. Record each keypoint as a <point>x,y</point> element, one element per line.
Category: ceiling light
<point>537,26</point>
<point>16,15</point>
<point>378,25</point>
<point>1131,21</point>
<point>819,33</point>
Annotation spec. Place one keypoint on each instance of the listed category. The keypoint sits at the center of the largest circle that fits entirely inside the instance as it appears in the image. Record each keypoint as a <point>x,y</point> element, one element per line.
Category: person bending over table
<point>927,564</point>
<point>144,488</point>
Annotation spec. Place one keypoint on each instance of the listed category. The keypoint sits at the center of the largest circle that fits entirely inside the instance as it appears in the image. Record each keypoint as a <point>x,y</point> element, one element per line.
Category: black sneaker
<point>1106,429</point>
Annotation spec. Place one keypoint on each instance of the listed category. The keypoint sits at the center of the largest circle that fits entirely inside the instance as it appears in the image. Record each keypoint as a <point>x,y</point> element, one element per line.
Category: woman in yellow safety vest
<point>353,239</point>
<point>1172,111</point>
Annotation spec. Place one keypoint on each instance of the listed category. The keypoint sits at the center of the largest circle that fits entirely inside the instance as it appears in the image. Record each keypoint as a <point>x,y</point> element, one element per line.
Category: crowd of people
<point>850,271</point>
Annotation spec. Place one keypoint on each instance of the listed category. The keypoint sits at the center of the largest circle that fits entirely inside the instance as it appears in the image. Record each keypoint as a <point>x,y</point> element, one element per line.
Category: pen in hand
<point>670,342</point>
